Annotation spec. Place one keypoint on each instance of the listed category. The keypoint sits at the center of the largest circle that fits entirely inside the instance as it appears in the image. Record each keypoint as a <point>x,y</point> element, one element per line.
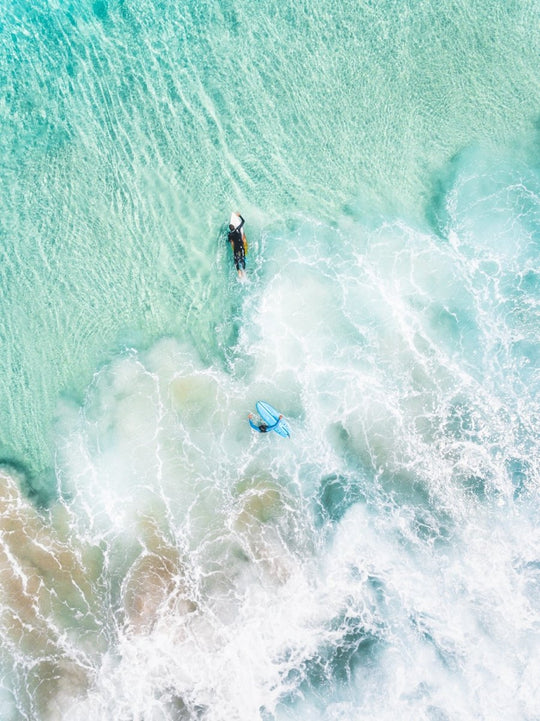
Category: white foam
<point>230,586</point>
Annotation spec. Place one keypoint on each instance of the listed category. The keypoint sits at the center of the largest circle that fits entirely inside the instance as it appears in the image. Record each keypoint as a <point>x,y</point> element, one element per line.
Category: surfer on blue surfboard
<point>237,239</point>
<point>272,420</point>
<point>262,427</point>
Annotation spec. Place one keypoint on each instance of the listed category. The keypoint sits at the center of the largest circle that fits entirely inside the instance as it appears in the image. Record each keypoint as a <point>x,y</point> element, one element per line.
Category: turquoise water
<point>157,559</point>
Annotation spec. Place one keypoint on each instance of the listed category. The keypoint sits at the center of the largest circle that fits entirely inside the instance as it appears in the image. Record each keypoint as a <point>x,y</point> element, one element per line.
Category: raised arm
<point>253,425</point>
<point>271,428</point>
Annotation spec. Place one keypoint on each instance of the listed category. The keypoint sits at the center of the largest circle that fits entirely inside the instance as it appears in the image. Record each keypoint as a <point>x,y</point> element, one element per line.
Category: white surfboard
<point>235,220</point>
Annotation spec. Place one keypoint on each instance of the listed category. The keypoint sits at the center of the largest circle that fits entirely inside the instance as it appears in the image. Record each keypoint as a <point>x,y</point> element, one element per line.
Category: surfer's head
<point>231,226</point>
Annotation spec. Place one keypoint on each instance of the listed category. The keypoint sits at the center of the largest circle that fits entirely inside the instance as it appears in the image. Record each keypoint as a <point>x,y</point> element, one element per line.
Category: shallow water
<point>160,561</point>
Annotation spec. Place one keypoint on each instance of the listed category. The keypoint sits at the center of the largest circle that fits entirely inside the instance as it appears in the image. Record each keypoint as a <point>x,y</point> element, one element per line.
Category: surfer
<point>236,239</point>
<point>262,427</point>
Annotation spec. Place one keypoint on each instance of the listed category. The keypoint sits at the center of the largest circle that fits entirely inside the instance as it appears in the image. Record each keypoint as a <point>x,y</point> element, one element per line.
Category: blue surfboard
<point>269,415</point>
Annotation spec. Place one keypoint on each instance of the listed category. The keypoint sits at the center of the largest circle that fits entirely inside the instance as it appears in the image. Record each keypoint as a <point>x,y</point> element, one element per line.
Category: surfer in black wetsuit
<point>262,427</point>
<point>236,239</point>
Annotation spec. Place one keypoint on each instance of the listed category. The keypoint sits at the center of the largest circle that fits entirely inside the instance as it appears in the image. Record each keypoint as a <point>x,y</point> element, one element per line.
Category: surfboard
<point>269,415</point>
<point>235,222</point>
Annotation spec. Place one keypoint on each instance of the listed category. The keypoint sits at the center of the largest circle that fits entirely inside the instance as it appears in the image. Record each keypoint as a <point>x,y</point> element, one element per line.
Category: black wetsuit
<point>235,237</point>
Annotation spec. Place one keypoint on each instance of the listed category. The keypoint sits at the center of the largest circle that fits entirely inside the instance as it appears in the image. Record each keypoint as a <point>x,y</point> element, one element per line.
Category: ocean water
<point>158,560</point>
